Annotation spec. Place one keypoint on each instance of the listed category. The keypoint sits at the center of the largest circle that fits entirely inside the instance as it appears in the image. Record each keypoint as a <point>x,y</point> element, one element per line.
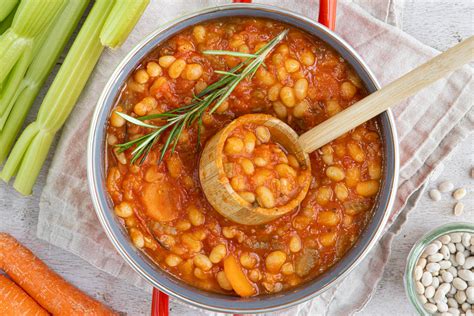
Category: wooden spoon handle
<point>389,95</point>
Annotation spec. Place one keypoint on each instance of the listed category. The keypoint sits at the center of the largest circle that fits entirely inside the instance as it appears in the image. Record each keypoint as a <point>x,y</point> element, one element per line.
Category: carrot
<point>45,286</point>
<point>14,301</point>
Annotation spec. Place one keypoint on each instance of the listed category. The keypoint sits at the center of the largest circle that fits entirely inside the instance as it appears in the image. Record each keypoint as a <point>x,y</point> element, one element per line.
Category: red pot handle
<point>327,17</point>
<point>159,303</point>
<point>327,13</point>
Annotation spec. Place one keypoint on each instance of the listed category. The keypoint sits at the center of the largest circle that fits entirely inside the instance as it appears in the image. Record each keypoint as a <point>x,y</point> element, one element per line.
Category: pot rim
<point>167,282</point>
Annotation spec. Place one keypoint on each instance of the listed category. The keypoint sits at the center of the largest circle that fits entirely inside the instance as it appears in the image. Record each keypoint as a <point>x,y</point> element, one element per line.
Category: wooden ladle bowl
<point>226,201</point>
<point>216,184</point>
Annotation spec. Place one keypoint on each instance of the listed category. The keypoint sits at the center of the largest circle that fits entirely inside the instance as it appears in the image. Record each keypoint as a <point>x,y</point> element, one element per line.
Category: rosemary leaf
<point>176,120</point>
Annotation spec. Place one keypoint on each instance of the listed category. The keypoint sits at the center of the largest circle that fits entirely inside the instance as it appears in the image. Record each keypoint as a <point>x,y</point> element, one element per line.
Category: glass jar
<point>416,252</point>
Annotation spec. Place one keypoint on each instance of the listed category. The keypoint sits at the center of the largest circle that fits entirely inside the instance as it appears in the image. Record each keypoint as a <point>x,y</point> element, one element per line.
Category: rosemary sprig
<point>214,95</point>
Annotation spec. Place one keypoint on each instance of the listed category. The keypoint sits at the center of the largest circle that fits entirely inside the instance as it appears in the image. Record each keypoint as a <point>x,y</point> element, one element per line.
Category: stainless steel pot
<point>168,283</point>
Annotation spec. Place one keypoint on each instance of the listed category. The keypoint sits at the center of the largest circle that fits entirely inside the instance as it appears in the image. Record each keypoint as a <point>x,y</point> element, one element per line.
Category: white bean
<point>453,271</point>
<point>447,276</point>
<point>460,259</point>
<point>460,297</point>
<point>420,289</point>
<point>445,264</point>
<point>452,302</point>
<point>422,263</point>
<point>422,299</point>
<point>459,284</point>
<point>466,275</point>
<point>442,307</point>
<point>453,311</point>
<point>459,193</point>
<point>465,306</point>
<point>458,208</point>
<point>431,249</point>
<point>435,195</point>
<point>470,293</point>
<point>430,308</point>
<point>433,267</point>
<point>445,239</point>
<point>445,186</point>
<point>429,291</point>
<point>466,240</point>
<point>426,278</point>
<point>452,248</point>
<point>455,237</point>
<point>418,273</point>
<point>435,257</point>
<point>469,263</point>
<point>435,282</point>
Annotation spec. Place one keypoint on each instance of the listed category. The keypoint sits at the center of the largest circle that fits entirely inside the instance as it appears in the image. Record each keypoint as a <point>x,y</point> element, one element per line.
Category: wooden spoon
<point>226,201</point>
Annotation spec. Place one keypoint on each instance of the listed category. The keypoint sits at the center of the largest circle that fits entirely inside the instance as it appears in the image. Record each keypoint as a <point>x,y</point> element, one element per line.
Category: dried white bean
<point>460,297</point>
<point>444,250</point>
<point>432,267</point>
<point>452,291</point>
<point>460,259</point>
<point>430,308</point>
<point>445,186</point>
<point>466,275</point>
<point>469,263</point>
<point>431,249</point>
<point>459,284</point>
<point>429,291</point>
<point>445,239</point>
<point>458,209</point>
<point>437,243</point>
<point>452,248</point>
<point>442,307</point>
<point>455,237</point>
<point>447,276</point>
<point>435,195</point>
<point>453,311</point>
<point>465,306</point>
<point>452,302</point>
<point>470,293</point>
<point>418,273</point>
<point>466,240</point>
<point>459,193</point>
<point>435,257</point>
<point>453,271</point>
<point>441,292</point>
<point>445,264</point>
<point>421,263</point>
<point>420,289</point>
<point>435,283</point>
<point>422,299</point>
<point>426,278</point>
<point>470,312</point>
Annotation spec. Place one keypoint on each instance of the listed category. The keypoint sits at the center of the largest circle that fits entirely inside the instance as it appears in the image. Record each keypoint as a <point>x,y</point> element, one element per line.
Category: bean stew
<point>302,82</point>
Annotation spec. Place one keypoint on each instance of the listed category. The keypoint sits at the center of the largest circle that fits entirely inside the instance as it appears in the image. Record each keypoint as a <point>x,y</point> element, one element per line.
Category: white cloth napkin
<point>430,125</point>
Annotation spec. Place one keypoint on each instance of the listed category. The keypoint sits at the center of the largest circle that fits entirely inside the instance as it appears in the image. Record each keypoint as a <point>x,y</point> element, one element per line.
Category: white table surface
<point>440,24</point>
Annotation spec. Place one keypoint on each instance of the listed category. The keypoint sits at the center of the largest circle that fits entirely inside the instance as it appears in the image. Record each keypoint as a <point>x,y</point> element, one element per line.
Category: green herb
<point>176,120</point>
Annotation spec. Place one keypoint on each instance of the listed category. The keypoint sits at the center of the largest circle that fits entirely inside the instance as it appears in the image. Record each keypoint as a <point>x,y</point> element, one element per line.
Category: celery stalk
<point>7,22</point>
<point>6,8</point>
<point>121,21</point>
<point>58,34</point>
<point>31,17</point>
<point>28,154</point>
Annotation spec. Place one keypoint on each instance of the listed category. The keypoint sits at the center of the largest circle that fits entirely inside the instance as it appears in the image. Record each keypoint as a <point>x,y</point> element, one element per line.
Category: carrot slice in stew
<point>237,278</point>
<point>14,301</point>
<point>160,201</point>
